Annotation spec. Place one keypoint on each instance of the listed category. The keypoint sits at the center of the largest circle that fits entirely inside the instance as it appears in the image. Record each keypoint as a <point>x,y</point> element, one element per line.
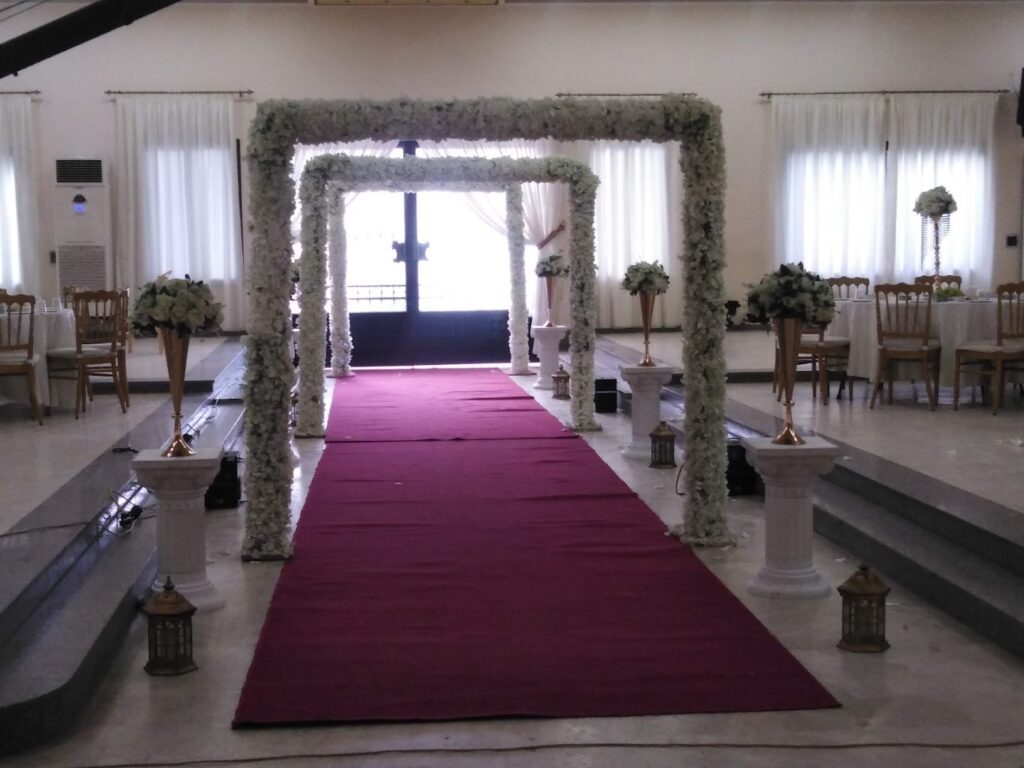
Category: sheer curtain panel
<point>831,183</point>
<point>636,219</point>
<point>945,139</point>
<point>177,195</point>
<point>18,222</point>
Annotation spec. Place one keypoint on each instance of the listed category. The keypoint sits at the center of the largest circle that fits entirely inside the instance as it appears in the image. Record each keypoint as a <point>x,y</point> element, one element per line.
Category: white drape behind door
<point>945,139</point>
<point>545,206</point>
<point>18,223</point>
<point>177,195</point>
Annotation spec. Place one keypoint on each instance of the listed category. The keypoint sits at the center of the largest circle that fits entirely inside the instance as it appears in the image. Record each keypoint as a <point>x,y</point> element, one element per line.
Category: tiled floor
<point>941,696</point>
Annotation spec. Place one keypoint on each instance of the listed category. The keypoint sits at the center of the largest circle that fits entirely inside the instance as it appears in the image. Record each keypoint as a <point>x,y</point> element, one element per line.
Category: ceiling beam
<point>72,29</point>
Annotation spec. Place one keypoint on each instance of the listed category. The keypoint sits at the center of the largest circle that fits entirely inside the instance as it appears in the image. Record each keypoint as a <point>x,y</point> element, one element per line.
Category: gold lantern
<point>170,632</point>
<point>864,612</point>
<point>663,446</point>
<point>560,381</point>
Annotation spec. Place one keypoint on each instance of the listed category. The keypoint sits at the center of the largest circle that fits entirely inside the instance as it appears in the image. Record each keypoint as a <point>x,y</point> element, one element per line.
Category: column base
<point>800,583</point>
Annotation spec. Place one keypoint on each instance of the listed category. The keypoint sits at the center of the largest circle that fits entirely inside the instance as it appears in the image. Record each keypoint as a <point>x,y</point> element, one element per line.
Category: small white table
<point>953,323</point>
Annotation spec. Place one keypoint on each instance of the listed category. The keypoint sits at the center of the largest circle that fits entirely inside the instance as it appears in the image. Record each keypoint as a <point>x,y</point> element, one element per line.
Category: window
<point>851,167</point>
<point>10,261</point>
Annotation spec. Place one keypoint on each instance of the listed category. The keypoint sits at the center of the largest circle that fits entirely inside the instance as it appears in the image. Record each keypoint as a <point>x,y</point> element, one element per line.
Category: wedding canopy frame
<point>281,124</point>
<point>321,188</point>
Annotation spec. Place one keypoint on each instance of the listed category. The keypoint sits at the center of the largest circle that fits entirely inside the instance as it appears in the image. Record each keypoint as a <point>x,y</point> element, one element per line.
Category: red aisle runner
<point>498,577</point>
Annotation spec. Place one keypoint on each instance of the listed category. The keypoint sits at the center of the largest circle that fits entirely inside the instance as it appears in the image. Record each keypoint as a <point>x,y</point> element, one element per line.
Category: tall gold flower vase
<point>647,315</point>
<point>787,334</point>
<point>176,355</point>
<point>550,285</point>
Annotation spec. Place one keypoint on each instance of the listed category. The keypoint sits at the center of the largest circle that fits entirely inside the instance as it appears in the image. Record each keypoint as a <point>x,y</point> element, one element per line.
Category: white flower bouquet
<point>554,265</point>
<point>791,292</point>
<point>645,277</point>
<point>934,203</point>
<point>183,305</point>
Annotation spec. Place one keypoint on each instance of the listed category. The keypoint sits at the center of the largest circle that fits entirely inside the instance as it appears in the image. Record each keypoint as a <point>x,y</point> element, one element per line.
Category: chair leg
<point>926,375</point>
<point>889,376</point>
<point>877,384</point>
<point>956,382</point>
<point>998,384</point>
<point>122,365</point>
<point>79,388</point>
<point>30,375</point>
<point>823,370</point>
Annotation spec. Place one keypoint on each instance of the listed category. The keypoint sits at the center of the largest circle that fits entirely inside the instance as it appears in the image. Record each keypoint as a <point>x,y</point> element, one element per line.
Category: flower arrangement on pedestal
<point>648,279</point>
<point>549,267</point>
<point>176,308</point>
<point>935,206</point>
<point>789,298</point>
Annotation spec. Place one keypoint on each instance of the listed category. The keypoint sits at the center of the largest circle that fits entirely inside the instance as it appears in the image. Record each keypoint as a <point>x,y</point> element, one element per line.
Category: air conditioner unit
<point>81,216</point>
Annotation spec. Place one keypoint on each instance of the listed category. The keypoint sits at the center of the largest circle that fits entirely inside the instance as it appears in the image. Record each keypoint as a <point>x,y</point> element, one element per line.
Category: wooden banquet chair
<point>849,287</point>
<point>945,281</point>
<point>992,358</point>
<point>904,314</point>
<point>123,346</point>
<point>822,353</point>
<point>98,328</point>
<point>17,339</point>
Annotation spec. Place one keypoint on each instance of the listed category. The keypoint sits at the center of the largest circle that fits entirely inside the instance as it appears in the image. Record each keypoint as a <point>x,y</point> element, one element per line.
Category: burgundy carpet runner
<point>468,572</point>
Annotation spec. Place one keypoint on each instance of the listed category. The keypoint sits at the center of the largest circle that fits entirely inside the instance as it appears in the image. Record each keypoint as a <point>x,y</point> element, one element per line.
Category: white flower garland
<point>694,122</point>
<point>341,333</point>
<point>312,314</point>
<point>518,343</point>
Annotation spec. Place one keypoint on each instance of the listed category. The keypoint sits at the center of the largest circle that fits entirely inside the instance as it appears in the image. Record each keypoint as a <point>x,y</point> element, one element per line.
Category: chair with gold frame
<point>17,340</point>
<point>904,314</point>
<point>945,281</point>
<point>98,330</point>
<point>849,287</point>
<point>993,358</point>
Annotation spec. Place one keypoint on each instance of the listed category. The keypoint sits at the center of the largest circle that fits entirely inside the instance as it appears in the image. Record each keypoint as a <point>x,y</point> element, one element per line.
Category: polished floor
<point>941,696</point>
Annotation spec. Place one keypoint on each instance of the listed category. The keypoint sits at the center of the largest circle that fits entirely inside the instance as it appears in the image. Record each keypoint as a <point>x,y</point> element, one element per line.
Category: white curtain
<point>945,139</point>
<point>18,222</point>
<point>306,152</point>
<point>545,207</point>
<point>831,184</point>
<point>636,219</point>
<point>177,195</point>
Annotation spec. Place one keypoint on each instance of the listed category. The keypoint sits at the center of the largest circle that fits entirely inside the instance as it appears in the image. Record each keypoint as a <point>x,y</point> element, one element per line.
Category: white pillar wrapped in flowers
<point>325,177</point>
<point>281,124</point>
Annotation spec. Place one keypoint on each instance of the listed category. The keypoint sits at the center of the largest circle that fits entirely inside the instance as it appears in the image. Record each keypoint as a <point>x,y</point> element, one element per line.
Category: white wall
<point>725,51</point>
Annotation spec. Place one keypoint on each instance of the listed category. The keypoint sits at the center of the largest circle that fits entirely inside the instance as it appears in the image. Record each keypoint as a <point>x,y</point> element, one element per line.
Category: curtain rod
<point>602,95</point>
<point>769,94</point>
<point>20,93</point>
<point>240,92</point>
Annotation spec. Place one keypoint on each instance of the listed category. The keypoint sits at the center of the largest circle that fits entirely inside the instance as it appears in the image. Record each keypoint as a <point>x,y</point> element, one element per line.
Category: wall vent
<point>79,171</point>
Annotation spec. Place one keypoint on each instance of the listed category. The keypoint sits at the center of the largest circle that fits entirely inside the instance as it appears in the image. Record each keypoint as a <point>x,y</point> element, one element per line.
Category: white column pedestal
<point>789,472</point>
<point>180,484</point>
<point>546,340</point>
<point>645,406</point>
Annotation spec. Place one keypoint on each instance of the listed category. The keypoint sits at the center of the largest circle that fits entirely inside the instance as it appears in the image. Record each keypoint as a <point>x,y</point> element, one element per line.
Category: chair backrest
<point>122,317</point>
<point>849,287</point>
<point>1010,312</point>
<point>17,323</point>
<point>945,281</point>
<point>97,318</point>
<point>904,311</point>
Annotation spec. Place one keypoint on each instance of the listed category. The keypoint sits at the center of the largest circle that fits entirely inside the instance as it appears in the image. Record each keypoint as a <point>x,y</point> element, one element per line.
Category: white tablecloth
<point>953,324</point>
<point>53,330</point>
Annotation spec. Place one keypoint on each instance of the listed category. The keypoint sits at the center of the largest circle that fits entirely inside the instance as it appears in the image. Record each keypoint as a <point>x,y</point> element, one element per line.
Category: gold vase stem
<point>787,332</point>
<point>176,356</point>
<point>647,316</point>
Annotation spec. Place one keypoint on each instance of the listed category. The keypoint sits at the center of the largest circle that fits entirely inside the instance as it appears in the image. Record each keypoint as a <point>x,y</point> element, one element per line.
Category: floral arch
<point>281,124</point>
<point>328,177</point>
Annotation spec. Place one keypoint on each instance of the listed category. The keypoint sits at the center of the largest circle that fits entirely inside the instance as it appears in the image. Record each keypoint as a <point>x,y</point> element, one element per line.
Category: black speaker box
<point>741,478</point>
<point>226,489</point>
<point>606,395</point>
